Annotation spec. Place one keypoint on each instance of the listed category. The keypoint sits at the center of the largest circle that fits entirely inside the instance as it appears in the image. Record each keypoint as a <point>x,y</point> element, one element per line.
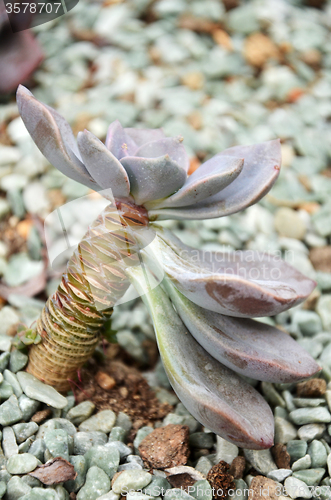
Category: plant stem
<point>94,281</point>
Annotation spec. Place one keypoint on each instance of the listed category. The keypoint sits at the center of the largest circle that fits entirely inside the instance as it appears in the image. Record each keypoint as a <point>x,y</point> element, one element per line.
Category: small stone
<point>35,389</point>
<point>66,425</point>
<point>309,323</point>
<point>225,451</point>
<point>38,448</point>
<point>105,381</point>
<point>312,388</point>
<point>157,487</point>
<point>80,466</point>
<point>10,412</point>
<point>281,456</point>
<point>259,48</point>
<point>57,443</point>
<point>81,412</point>
<point>320,258</point>
<point>107,459</point>
<point>23,431</point>
<point>22,464</point>
<point>279,475</point>
<point>177,494</point>
<point>41,416</point>
<point>6,390</point>
<point>259,484</point>
<point>103,421</point>
<point>261,460</point>
<point>288,223</point>
<point>8,318</point>
<point>111,496</point>
<point>12,380</point>
<point>203,465</point>
<point>201,490</point>
<point>4,360</point>
<point>302,463</point>
<point>165,447</point>
<point>124,450</point>
<point>70,404</point>
<point>296,488</point>
<point>9,444</point>
<point>173,418</point>
<point>308,402</point>
<point>131,480</point>
<point>311,431</point>
<point>237,467</point>
<point>3,488</point>
<point>318,454</point>
<point>141,434</point>
<point>323,309</point>
<point>117,434</point>
<point>311,477</point>
<point>17,361</point>
<point>83,441</point>
<point>220,479</point>
<point>129,466</point>
<point>17,488</point>
<point>123,420</point>
<point>61,492</point>
<point>201,440</point>
<point>297,449</point>
<point>271,395</point>
<point>26,445</point>
<point>310,415</point>
<point>284,430</point>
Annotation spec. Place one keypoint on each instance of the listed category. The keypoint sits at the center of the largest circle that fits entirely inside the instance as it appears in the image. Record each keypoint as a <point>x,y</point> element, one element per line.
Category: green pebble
<point>303,416</point>
<point>66,425</point>
<point>141,434</point>
<point>3,488</point>
<point>311,477</point>
<point>97,484</point>
<point>308,402</point>
<point>41,494</point>
<point>201,490</point>
<point>317,453</point>
<point>57,443</point>
<point>49,425</point>
<point>10,412</point>
<point>5,476</point>
<point>70,404</point>
<point>301,463</point>
<point>12,380</point>
<point>80,466</point>
<point>22,464</point>
<point>35,389</point>
<point>284,430</point>
<point>24,431</point>
<point>81,412</point>
<point>6,390</point>
<point>107,459</point>
<point>157,487</point>
<point>83,441</point>
<point>5,342</point>
<point>173,418</point>
<point>177,494</point>
<point>103,421</point>
<point>123,420</point>
<point>16,488</point>
<point>117,434</point>
<point>311,431</point>
<point>203,465</point>
<point>4,360</point>
<point>28,406</point>
<point>17,361</point>
<point>33,482</point>
<point>9,444</point>
<point>61,492</point>
<point>201,440</point>
<point>297,449</point>
<point>241,492</point>
<point>272,396</point>
<point>38,448</point>
<point>131,480</point>
<point>109,496</point>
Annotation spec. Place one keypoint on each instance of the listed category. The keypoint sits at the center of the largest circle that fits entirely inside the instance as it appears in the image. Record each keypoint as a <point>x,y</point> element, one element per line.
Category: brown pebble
<point>281,456</point>
<point>41,416</point>
<point>115,477</point>
<point>72,496</point>
<point>311,388</point>
<point>262,488</point>
<point>181,481</point>
<point>237,467</point>
<point>220,480</point>
<point>165,447</point>
<point>123,392</point>
<point>321,258</point>
<point>105,381</point>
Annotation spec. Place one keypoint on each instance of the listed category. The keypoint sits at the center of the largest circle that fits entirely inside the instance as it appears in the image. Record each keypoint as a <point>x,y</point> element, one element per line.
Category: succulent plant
<point>201,302</point>
<point>20,53</point>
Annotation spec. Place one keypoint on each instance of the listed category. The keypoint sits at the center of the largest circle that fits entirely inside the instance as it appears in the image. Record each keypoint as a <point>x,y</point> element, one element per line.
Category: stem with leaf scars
<point>94,281</point>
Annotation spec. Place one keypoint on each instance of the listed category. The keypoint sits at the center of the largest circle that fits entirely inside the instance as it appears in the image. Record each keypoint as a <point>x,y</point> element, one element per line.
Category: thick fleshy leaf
<point>118,142</point>
<point>53,136</point>
<point>215,395</point>
<point>248,347</point>
<point>241,284</point>
<point>153,178</point>
<point>142,135</point>
<point>261,169</point>
<point>213,176</point>
<point>105,169</point>
<point>171,146</point>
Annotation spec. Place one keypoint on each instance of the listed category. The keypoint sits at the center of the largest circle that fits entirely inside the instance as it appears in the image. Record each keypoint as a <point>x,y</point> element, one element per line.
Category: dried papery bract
<point>201,307</point>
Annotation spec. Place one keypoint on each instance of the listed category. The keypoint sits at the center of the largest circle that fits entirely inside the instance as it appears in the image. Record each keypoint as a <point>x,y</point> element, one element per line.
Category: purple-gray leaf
<point>118,142</point>
<point>213,176</point>
<point>142,135</point>
<point>261,169</point>
<point>53,136</point>
<point>171,146</point>
<point>241,284</point>
<point>105,169</point>
<point>248,347</point>
<point>153,178</point>
<point>215,395</point>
